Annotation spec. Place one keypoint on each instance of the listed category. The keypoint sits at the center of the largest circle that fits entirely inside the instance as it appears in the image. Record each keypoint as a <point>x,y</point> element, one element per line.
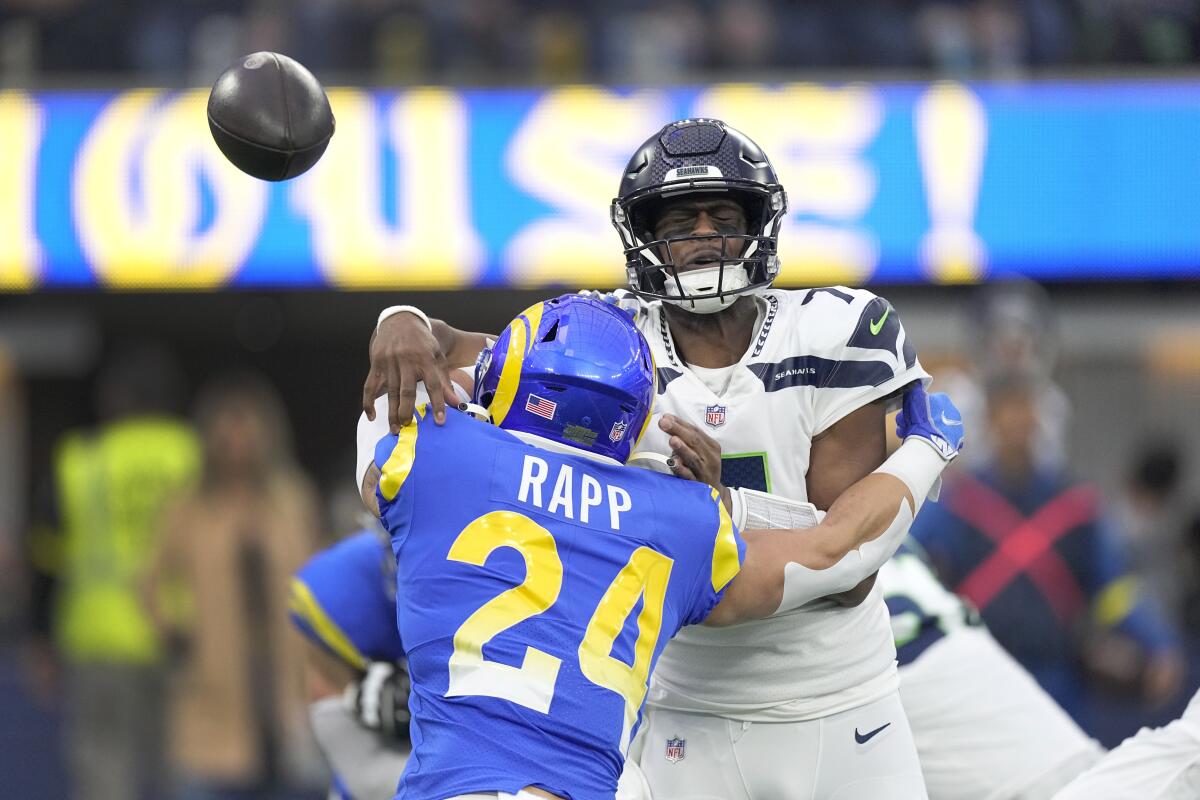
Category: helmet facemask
<point>745,262</point>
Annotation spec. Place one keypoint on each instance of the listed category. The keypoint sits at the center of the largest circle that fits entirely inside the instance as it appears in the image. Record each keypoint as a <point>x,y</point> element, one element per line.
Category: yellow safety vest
<point>112,487</point>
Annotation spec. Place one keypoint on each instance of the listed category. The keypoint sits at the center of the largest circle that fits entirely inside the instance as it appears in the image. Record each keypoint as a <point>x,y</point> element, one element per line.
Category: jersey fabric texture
<point>341,601</point>
<point>817,355</point>
<point>535,591</point>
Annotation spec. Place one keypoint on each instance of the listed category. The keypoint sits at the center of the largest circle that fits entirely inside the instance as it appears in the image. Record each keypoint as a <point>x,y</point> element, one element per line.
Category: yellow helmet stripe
<point>522,336</point>
<point>653,400</point>
<point>305,606</point>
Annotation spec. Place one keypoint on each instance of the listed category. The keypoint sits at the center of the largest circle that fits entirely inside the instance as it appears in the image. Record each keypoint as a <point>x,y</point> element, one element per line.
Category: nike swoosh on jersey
<point>876,327</point>
<point>946,421</point>
<point>863,738</point>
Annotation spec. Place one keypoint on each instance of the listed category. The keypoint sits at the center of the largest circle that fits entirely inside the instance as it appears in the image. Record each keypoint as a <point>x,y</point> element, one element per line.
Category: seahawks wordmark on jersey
<point>817,355</point>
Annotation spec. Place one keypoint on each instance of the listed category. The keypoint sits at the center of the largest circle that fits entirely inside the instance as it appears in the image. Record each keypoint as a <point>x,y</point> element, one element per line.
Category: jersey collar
<point>564,449</point>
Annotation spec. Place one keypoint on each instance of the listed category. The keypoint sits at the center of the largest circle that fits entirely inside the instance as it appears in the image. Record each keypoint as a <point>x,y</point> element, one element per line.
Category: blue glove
<point>932,418</point>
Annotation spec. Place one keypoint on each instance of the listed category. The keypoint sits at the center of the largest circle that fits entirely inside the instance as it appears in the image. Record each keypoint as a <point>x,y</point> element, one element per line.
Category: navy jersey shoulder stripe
<point>847,298</point>
<point>665,376</point>
<point>878,327</point>
<point>822,372</point>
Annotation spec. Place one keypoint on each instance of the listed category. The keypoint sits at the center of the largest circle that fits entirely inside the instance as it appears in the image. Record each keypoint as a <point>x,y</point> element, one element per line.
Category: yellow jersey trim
<point>395,470</point>
<point>725,563</point>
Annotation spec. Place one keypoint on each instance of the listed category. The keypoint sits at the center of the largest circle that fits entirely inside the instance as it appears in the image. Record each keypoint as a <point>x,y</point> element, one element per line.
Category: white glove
<point>379,700</point>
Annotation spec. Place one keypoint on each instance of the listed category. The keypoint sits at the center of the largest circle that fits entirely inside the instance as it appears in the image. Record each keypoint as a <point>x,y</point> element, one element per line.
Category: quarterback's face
<point>700,217</point>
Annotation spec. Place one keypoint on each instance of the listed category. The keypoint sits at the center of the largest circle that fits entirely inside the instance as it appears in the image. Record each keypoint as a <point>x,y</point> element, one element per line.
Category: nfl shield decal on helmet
<point>618,430</point>
<point>676,749</point>
<point>714,416</point>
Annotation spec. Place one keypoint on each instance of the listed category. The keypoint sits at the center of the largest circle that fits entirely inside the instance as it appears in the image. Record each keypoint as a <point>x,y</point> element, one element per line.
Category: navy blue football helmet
<point>573,370</point>
<point>689,157</point>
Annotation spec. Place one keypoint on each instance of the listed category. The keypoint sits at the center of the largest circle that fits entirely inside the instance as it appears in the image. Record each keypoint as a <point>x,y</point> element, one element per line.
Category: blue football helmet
<point>573,370</point>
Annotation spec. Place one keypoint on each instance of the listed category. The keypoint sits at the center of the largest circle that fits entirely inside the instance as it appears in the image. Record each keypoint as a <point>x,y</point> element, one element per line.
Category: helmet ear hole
<point>551,334</point>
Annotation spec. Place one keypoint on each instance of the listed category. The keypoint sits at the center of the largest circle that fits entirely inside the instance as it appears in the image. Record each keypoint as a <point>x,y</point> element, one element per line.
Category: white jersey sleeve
<point>857,352</point>
<point>371,431</point>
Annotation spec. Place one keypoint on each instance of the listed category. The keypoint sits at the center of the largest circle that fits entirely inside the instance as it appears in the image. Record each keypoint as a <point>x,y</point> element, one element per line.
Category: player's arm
<point>852,440</point>
<point>697,457</point>
<point>366,760</point>
<point>844,453</point>
<point>369,483</point>
<point>783,570</point>
<point>406,348</point>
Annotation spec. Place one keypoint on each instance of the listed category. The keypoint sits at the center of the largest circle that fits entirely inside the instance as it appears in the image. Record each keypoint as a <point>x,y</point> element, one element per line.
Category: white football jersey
<point>817,356</point>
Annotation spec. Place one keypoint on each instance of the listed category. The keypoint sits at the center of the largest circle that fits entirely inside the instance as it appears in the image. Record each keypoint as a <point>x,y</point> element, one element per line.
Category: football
<point>270,116</point>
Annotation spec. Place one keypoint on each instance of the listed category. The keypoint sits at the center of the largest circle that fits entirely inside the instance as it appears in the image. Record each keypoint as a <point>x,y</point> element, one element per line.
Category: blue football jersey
<point>340,599</point>
<point>536,591</point>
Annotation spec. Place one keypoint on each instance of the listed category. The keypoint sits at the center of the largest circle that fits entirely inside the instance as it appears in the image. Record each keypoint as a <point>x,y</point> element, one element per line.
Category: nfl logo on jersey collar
<point>676,750</point>
<point>714,416</point>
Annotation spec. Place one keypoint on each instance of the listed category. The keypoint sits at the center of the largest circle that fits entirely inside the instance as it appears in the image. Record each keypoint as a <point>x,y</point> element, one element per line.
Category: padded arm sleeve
<point>365,764</point>
<point>802,585</point>
<point>919,466</point>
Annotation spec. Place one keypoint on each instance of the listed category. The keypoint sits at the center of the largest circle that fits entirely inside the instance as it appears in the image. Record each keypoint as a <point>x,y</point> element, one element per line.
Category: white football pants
<point>984,728</point>
<point>1156,764</point>
<point>866,753</point>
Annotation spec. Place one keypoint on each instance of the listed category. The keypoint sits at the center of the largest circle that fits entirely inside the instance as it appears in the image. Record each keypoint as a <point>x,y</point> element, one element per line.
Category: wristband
<point>919,465</point>
<point>759,510</point>
<point>391,311</point>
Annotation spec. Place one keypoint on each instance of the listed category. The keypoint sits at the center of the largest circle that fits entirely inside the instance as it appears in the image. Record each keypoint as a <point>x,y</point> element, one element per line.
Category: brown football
<point>270,116</point>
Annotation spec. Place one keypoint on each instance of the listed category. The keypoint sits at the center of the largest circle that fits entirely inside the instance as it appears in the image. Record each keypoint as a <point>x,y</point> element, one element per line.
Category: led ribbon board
<point>440,188</point>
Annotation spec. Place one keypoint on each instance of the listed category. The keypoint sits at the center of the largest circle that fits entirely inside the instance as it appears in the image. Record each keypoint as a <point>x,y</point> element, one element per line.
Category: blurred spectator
<point>1034,552</point>
<point>656,44</point>
<point>1152,523</point>
<point>218,588</point>
<point>498,41</point>
<point>1138,31</point>
<point>13,490</point>
<point>111,484</point>
<point>744,33</point>
<point>1012,329</point>
<point>1190,575</point>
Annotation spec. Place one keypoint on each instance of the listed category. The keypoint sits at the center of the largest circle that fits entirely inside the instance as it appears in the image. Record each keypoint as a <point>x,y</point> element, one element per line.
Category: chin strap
<point>655,462</point>
<point>476,411</point>
<point>704,281</point>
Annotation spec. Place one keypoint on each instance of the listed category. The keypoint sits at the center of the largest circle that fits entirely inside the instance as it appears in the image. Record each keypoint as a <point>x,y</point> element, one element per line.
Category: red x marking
<point>1024,545</point>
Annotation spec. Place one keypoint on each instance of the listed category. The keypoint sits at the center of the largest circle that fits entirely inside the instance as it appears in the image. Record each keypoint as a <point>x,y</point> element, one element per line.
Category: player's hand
<point>933,419</point>
<point>623,299</point>
<point>697,455</point>
<point>403,353</point>
<point>379,700</point>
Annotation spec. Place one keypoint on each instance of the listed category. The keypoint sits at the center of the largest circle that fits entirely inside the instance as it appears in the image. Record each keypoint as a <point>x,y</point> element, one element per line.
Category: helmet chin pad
<point>702,284</point>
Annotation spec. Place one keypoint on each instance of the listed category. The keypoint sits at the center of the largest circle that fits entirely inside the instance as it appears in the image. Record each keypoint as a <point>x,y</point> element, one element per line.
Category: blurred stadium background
<point>940,153</point>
